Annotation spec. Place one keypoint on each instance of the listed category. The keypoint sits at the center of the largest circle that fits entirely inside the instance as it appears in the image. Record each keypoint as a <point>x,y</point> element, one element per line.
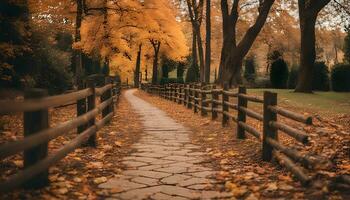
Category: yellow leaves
<point>100,180</point>
<point>237,191</point>
<point>118,143</point>
<point>18,163</point>
<point>95,165</point>
<point>271,186</point>
<point>232,153</point>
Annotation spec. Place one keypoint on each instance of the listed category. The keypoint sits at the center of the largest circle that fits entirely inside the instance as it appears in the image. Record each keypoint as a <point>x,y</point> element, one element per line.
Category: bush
<point>249,70</point>
<point>279,74</point>
<point>293,77</point>
<point>54,66</point>
<point>320,78</point>
<point>340,77</point>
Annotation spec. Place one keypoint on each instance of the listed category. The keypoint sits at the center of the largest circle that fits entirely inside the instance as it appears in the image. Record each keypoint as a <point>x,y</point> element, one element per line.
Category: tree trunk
<point>137,68</point>
<point>207,44</point>
<point>77,53</point>
<point>200,52</point>
<point>194,49</point>
<point>233,63</point>
<point>307,54</point>
<point>229,21</point>
<point>308,12</point>
<point>156,47</point>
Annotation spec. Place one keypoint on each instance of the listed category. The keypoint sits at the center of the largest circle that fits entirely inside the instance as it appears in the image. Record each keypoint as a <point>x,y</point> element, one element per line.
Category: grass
<point>318,102</point>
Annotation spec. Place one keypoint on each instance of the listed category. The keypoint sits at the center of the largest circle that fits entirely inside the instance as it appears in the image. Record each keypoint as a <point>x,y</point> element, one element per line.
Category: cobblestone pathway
<point>165,165</point>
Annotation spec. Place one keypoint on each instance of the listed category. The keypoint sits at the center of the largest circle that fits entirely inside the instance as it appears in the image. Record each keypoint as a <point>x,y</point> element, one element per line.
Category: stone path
<point>165,165</point>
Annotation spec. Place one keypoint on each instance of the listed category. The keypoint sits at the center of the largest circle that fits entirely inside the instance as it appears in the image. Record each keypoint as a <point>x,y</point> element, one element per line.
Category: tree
<point>233,53</point>
<point>113,31</point>
<point>156,46</point>
<point>207,43</point>
<point>15,43</point>
<point>137,68</point>
<point>308,12</point>
<point>195,10</point>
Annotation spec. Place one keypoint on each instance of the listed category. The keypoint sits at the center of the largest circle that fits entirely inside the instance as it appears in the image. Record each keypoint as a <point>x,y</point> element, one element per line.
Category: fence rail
<point>209,99</point>
<point>37,132</point>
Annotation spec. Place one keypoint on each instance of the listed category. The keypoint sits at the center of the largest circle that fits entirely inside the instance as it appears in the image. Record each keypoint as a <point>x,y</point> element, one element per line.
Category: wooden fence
<point>37,132</point>
<point>207,99</point>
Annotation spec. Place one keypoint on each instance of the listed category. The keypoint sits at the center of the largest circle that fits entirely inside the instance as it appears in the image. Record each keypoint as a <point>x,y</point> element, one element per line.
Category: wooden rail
<point>37,133</point>
<point>199,97</point>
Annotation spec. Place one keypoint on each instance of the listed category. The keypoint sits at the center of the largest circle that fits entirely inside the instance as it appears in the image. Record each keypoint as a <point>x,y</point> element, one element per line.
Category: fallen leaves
<point>78,175</point>
<point>100,180</point>
<point>118,143</point>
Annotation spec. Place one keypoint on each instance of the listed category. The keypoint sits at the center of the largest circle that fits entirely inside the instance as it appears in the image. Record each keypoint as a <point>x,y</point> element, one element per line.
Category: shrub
<point>279,74</point>
<point>320,78</point>
<point>249,70</point>
<point>293,77</point>
<point>54,66</point>
<point>340,77</point>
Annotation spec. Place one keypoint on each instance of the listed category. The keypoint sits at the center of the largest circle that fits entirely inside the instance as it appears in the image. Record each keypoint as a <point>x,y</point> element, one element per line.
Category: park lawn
<point>319,102</point>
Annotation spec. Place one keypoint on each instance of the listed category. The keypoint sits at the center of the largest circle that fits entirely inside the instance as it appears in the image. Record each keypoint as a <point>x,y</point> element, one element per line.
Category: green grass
<point>318,102</point>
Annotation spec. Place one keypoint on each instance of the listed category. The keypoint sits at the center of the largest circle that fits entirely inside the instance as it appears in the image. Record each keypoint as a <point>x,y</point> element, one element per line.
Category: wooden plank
<point>300,136</point>
<point>291,115</point>
<point>251,113</point>
<point>45,135</point>
<point>291,166</point>
<point>251,98</point>
<point>9,106</point>
<point>250,129</point>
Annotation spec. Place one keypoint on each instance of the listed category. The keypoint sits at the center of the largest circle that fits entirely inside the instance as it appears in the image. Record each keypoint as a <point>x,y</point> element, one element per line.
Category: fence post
<point>215,97</point>
<point>203,99</point>
<point>195,108</point>
<point>81,107</point>
<point>270,99</point>
<point>180,94</point>
<point>174,92</point>
<point>105,96</point>
<point>225,98</point>
<point>241,116</point>
<point>91,104</point>
<point>168,91</point>
<point>34,122</point>
<point>185,94</point>
<point>189,103</point>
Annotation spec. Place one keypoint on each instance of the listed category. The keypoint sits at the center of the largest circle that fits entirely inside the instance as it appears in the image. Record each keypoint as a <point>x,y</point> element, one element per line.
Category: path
<point>165,165</point>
